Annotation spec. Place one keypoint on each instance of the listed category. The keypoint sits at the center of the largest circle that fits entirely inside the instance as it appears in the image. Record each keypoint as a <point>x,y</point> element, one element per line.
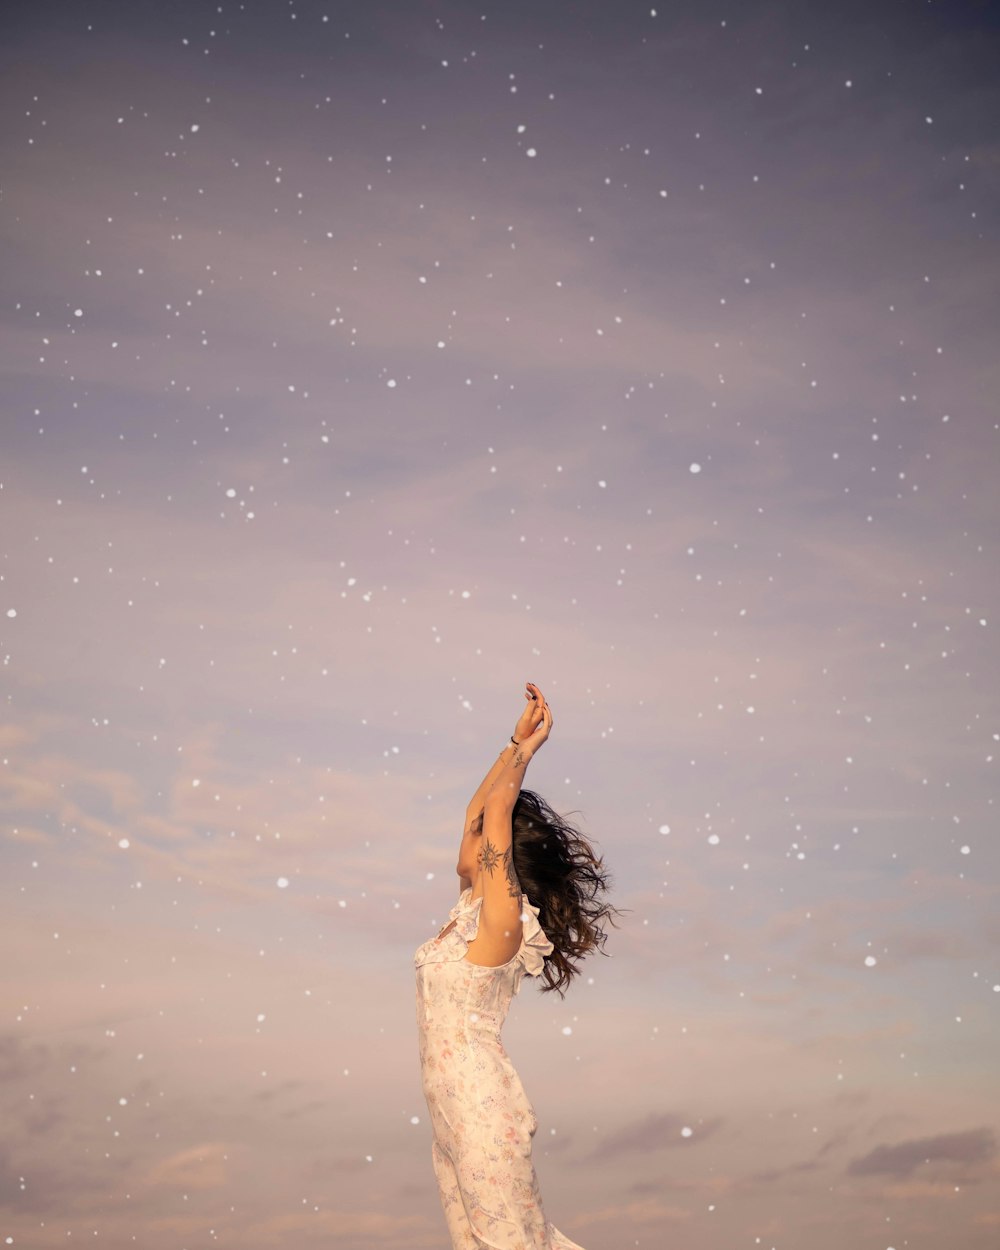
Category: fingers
<point>535,693</point>
<point>540,712</point>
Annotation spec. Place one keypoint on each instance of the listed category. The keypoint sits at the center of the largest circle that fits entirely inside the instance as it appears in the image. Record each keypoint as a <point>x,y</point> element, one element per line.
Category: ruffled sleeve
<point>467,917</point>
<point>535,946</point>
<point>463,902</point>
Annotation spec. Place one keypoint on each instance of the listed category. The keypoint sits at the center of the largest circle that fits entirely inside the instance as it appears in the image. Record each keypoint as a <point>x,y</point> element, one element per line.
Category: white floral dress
<point>482,1120</point>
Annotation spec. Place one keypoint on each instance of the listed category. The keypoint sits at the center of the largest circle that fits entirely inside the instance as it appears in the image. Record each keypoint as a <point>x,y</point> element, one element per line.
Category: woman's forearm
<point>507,785</point>
<point>478,801</point>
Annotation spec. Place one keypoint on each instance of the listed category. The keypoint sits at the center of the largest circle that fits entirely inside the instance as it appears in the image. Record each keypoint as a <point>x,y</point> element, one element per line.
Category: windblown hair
<point>558,870</point>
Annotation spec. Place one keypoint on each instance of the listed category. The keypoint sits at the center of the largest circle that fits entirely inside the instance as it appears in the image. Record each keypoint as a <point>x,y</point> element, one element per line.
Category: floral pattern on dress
<point>482,1120</point>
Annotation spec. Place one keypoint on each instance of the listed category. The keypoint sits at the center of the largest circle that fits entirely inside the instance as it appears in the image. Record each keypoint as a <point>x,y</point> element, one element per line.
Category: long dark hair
<point>558,870</point>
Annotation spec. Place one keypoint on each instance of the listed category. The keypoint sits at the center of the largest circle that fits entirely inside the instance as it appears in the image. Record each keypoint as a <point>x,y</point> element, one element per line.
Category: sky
<point>362,362</point>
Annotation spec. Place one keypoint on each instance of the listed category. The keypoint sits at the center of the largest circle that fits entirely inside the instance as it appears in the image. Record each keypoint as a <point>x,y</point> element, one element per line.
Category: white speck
<point>12,612</point>
<point>870,961</point>
<point>465,594</point>
<point>282,883</point>
<point>602,484</point>
<point>696,467</point>
<point>686,1131</point>
<point>414,1119</point>
<point>664,829</point>
<point>123,1102</point>
<point>260,1017</point>
<point>124,843</point>
<point>531,152</point>
<point>663,195</point>
<point>196,781</point>
<point>391,382</point>
<point>567,1030</point>
<point>77,312</point>
<point>966,850</point>
<point>929,120</point>
<point>195,128</point>
<point>230,493</point>
<point>713,839</point>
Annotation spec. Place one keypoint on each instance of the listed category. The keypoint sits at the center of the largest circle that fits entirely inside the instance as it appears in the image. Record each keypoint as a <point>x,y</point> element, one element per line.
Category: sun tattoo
<point>489,856</point>
<point>513,885</point>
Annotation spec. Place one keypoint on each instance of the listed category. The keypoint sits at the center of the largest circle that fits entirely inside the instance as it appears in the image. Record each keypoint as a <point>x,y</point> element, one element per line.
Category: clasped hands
<point>535,722</point>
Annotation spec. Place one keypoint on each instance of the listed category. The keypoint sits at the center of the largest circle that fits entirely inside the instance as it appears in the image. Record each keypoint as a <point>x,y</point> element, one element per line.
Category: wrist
<point>516,758</point>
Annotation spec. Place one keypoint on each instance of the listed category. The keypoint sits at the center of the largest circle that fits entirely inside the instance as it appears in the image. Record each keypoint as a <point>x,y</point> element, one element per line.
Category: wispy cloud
<point>663,1130</point>
<point>974,1146</point>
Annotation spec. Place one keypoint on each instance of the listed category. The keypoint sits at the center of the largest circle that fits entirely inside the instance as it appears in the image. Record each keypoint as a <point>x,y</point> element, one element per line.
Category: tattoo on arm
<point>489,856</point>
<point>513,885</point>
<point>518,759</point>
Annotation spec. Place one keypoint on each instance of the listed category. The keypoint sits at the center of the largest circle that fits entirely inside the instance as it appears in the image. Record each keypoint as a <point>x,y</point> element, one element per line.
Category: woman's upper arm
<point>501,909</point>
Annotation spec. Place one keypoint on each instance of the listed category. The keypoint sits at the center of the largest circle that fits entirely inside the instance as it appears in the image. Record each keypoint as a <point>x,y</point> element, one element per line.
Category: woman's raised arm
<point>501,907</point>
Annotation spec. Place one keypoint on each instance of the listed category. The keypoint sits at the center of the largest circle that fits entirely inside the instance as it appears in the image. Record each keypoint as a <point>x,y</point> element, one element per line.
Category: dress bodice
<point>450,987</point>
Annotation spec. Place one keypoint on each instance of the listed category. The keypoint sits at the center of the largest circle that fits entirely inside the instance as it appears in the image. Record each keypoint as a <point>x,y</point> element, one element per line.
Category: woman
<point>528,906</point>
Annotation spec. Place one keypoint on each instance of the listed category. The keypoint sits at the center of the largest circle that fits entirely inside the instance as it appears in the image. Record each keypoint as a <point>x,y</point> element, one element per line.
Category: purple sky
<point>361,362</point>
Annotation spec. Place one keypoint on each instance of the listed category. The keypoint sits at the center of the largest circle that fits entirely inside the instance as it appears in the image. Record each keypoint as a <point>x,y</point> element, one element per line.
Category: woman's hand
<point>531,716</point>
<point>539,735</point>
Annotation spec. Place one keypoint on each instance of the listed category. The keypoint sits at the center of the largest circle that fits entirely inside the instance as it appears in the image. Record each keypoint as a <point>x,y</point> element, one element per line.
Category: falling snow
<point>694,425</point>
